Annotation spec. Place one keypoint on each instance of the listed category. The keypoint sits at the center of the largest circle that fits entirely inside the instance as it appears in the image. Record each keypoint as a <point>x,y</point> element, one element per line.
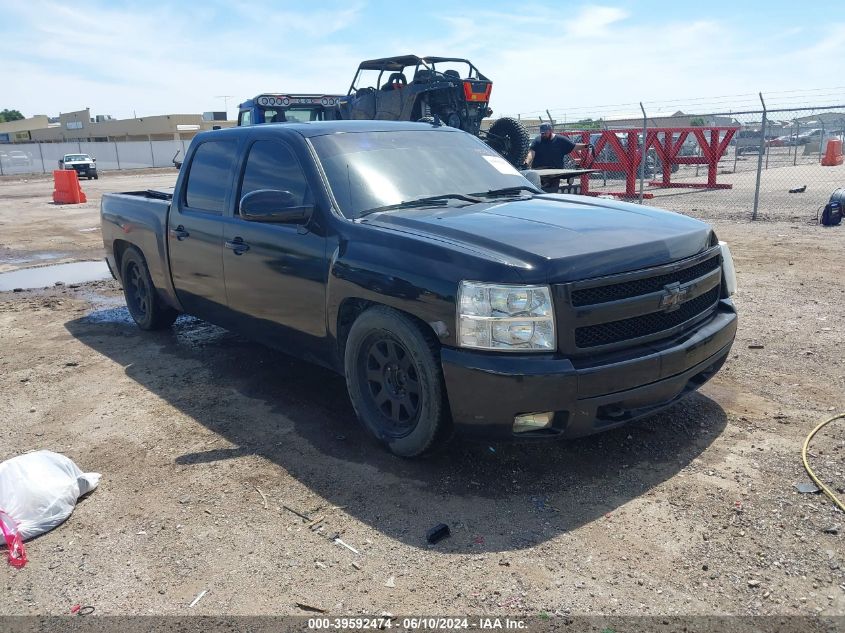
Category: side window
<point>272,165</point>
<point>246,118</point>
<point>209,175</point>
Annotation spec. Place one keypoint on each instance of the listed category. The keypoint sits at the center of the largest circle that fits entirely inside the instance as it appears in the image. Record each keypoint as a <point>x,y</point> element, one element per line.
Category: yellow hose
<point>809,470</point>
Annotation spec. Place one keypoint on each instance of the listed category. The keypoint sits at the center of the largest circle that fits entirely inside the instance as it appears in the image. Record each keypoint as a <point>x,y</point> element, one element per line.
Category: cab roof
<point>323,128</point>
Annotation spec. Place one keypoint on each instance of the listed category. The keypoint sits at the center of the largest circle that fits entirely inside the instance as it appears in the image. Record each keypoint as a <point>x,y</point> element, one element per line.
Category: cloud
<point>163,59</point>
<point>157,59</point>
<point>668,62</point>
<point>317,23</point>
<point>594,21</point>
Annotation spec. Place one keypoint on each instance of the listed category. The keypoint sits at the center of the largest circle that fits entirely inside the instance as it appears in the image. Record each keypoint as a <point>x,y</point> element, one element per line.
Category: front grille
<point>645,325</point>
<point>626,289</point>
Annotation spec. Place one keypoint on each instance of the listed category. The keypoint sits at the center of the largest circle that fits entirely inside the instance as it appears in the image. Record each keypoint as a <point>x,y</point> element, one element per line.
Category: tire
<point>510,138</point>
<point>395,382</point>
<point>97,177</point>
<point>145,306</point>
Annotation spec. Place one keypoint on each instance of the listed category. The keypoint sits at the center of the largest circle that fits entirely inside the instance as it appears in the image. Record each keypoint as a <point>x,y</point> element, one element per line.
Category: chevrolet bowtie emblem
<point>673,297</point>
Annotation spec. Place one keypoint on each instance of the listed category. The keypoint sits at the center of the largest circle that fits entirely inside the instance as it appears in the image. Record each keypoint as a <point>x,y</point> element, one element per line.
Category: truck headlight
<point>502,318</point>
<point>728,269</point>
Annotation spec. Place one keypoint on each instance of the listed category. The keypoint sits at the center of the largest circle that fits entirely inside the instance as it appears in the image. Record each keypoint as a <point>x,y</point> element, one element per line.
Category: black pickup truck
<point>417,262</point>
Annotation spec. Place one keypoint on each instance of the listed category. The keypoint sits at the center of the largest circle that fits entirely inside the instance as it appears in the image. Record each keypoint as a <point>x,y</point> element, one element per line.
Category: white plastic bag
<point>37,492</point>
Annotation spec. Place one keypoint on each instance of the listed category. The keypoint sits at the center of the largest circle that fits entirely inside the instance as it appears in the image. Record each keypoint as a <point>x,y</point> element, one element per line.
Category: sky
<point>575,59</point>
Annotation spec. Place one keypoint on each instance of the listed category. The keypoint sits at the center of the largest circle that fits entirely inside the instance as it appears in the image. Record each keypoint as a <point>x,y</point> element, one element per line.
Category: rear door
<point>276,273</point>
<point>195,230</point>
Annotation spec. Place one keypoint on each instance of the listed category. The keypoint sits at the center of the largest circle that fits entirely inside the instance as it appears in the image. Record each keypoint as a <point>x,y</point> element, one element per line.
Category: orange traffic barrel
<point>833,154</point>
<point>66,187</point>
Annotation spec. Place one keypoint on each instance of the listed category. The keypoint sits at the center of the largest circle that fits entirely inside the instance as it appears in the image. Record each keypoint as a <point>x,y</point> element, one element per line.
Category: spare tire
<point>510,138</point>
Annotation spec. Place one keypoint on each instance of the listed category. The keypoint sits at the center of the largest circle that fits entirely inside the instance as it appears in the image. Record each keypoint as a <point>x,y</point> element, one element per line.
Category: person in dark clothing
<point>548,151</point>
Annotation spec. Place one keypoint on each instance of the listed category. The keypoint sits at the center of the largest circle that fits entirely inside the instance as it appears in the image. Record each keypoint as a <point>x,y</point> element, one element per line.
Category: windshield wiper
<point>442,199</point>
<point>505,191</point>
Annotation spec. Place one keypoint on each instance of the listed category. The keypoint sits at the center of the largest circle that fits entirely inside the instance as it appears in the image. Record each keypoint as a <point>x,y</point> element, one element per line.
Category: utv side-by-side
<point>446,89</point>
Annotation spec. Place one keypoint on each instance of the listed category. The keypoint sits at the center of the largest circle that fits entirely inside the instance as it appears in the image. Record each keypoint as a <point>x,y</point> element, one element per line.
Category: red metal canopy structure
<point>666,142</point>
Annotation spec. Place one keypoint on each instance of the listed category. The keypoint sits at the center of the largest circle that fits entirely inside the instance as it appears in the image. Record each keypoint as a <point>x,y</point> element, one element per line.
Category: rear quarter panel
<point>134,220</point>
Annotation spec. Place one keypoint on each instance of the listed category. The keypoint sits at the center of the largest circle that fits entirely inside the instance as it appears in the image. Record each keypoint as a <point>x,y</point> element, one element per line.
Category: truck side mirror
<point>272,205</point>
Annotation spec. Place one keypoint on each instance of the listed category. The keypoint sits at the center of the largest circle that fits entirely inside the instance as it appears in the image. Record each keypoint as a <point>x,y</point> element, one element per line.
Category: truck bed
<point>165,193</point>
<point>139,218</point>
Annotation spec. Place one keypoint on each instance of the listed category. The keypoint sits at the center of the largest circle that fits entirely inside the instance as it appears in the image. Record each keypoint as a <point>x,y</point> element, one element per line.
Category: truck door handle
<point>179,233</point>
<point>238,245</point>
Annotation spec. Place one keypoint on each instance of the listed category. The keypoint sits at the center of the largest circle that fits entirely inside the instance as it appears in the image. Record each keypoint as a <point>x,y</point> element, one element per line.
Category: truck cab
<point>284,108</point>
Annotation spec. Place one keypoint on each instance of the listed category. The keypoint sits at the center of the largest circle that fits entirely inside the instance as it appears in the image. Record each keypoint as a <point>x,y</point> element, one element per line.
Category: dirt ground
<point>204,441</point>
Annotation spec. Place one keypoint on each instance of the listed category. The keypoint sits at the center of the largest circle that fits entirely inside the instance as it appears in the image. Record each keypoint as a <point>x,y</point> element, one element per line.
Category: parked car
<point>418,263</point>
<point>19,159</point>
<point>82,163</point>
<point>653,164</point>
<point>745,141</point>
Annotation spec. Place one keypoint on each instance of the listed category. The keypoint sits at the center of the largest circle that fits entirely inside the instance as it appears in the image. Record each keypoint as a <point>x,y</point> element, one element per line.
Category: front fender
<point>413,273</point>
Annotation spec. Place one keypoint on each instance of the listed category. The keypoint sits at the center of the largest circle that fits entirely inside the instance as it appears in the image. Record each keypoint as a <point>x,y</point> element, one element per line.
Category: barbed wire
<point>722,104</point>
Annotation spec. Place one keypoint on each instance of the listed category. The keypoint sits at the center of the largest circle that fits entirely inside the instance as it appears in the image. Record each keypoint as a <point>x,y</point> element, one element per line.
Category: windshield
<point>304,115</point>
<point>368,170</point>
<point>72,158</point>
<point>293,115</point>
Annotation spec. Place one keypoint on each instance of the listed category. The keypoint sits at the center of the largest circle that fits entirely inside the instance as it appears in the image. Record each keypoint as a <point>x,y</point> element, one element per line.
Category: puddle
<point>99,301</point>
<point>31,257</point>
<point>41,277</point>
<point>109,315</point>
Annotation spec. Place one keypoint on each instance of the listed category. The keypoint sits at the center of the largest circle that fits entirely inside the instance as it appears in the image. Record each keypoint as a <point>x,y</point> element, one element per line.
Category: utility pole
<point>225,103</point>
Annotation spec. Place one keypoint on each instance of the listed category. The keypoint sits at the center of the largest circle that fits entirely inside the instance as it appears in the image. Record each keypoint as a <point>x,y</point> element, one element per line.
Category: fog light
<point>532,421</point>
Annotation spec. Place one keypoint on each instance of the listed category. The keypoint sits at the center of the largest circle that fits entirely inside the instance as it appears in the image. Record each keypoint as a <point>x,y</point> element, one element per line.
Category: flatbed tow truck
<point>282,108</point>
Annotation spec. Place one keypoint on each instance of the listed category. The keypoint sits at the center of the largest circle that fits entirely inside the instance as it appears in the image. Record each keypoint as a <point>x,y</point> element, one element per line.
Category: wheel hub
<point>393,384</point>
<point>395,379</point>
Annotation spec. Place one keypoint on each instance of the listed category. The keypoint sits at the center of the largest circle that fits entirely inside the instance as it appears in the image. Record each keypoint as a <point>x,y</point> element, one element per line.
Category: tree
<point>10,115</point>
<point>697,122</point>
<point>586,124</point>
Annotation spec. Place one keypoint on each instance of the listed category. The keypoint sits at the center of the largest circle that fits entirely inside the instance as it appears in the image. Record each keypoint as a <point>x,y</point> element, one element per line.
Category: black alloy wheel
<point>145,306</point>
<point>392,382</point>
<point>395,381</point>
<point>137,291</point>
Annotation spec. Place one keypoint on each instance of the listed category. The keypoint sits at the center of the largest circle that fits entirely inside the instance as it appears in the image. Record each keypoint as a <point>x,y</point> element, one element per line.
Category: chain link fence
<point>771,167</point>
<point>42,158</point>
<point>768,162</point>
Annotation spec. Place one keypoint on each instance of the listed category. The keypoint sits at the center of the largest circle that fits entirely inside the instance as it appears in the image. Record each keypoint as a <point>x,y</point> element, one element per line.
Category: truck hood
<point>559,238</point>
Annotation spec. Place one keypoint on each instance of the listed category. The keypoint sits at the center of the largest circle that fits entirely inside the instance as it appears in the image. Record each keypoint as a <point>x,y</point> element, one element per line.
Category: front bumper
<point>85,171</point>
<point>486,390</point>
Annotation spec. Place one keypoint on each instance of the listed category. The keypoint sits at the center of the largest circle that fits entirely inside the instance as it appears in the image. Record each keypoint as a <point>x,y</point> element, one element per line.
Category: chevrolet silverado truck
<point>450,292</point>
<point>83,164</point>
